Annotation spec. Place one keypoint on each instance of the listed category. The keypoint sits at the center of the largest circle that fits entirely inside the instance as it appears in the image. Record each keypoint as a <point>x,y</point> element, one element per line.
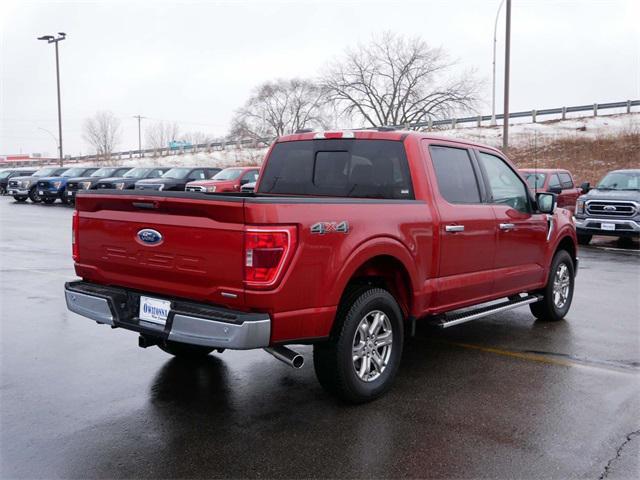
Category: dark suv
<point>90,182</point>
<point>177,178</point>
<point>129,179</point>
<point>25,187</point>
<point>9,173</point>
<point>611,208</point>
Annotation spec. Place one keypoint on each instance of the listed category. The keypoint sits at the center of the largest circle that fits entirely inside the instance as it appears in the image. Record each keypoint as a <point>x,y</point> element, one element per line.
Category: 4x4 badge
<point>330,227</point>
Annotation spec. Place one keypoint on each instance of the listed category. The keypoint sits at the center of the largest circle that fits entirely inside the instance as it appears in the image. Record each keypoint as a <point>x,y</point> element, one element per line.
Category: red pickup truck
<point>227,180</point>
<point>349,239</point>
<point>556,181</point>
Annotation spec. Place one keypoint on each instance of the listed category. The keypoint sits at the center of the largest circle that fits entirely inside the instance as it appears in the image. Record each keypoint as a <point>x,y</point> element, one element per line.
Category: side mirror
<point>585,187</point>
<point>546,202</point>
<point>556,190</point>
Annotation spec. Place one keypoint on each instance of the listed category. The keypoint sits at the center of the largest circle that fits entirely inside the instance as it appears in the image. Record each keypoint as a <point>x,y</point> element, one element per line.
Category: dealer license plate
<point>154,310</point>
<point>608,226</point>
<point>40,192</point>
<point>69,194</point>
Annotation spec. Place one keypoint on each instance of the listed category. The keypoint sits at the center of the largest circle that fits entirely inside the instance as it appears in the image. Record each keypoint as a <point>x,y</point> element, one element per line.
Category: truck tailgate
<point>194,249</point>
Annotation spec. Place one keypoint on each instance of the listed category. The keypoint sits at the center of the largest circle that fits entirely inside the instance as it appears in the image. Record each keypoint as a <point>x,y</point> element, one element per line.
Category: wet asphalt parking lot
<point>502,397</point>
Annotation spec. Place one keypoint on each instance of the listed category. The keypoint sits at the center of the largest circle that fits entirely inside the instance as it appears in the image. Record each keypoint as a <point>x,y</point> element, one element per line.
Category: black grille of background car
<point>149,186</point>
<point>611,209</point>
<point>105,185</point>
<point>72,186</point>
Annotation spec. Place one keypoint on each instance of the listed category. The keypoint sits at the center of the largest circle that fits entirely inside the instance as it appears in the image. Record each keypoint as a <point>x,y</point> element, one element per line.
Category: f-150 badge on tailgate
<point>330,227</point>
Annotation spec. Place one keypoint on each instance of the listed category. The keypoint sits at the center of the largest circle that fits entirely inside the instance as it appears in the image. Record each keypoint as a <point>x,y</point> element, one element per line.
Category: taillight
<point>74,235</point>
<point>267,252</point>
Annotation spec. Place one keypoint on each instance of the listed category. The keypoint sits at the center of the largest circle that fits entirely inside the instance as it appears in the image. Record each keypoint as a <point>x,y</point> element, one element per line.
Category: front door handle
<point>507,226</point>
<point>454,228</point>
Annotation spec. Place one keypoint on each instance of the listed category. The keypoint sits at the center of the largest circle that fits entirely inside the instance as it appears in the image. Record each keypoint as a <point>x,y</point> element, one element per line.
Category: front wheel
<point>558,293</point>
<point>184,350</point>
<point>33,196</point>
<point>360,361</point>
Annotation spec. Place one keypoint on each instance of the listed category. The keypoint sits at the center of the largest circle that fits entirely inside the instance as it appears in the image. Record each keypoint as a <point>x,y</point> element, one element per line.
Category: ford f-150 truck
<point>227,180</point>
<point>348,240</point>
<point>612,208</point>
<point>556,181</point>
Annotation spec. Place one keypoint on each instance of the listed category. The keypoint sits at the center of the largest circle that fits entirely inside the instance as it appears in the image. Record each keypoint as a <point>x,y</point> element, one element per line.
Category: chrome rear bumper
<point>187,322</point>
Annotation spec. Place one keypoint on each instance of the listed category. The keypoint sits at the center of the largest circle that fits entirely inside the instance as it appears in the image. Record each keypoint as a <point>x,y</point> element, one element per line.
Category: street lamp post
<point>55,40</point>
<point>507,61</point>
<point>139,117</point>
<point>493,82</point>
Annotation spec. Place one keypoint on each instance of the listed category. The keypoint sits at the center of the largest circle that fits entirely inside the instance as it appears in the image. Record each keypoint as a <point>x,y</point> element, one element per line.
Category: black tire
<point>333,360</point>
<point>184,350</point>
<point>19,198</point>
<point>63,197</point>
<point>49,201</point>
<point>547,308</point>
<point>33,196</point>
<point>3,191</point>
<point>584,239</point>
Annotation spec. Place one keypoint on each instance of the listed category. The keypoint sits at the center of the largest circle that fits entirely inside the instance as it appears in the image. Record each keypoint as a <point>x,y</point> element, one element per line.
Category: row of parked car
<point>612,208</point>
<point>49,184</point>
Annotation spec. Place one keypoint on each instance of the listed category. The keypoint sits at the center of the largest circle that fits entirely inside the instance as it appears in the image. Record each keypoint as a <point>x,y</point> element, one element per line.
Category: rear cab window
<point>356,168</point>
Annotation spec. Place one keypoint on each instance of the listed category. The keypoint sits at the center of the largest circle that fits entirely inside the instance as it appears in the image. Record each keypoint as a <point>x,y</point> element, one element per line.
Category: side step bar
<point>449,320</point>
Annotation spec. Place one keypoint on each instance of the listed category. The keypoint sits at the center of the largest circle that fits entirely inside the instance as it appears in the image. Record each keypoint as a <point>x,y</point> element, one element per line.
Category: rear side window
<point>565,180</point>
<point>339,168</point>
<point>457,180</point>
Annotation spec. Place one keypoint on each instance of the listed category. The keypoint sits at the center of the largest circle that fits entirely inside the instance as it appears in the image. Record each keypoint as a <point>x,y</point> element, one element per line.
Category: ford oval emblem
<point>150,236</point>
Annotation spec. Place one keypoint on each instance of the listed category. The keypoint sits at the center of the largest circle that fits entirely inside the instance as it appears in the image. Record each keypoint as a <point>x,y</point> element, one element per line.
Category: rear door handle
<point>454,228</point>
<point>507,226</point>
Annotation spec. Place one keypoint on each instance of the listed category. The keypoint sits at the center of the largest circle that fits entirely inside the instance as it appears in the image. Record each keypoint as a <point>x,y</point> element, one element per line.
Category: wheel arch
<point>384,263</point>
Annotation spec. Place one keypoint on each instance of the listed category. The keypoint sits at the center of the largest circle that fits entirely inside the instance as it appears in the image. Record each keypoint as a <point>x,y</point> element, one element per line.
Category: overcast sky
<point>196,62</point>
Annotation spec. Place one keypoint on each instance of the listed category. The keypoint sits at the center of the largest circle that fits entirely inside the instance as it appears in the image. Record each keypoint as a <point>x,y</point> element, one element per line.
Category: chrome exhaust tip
<point>286,355</point>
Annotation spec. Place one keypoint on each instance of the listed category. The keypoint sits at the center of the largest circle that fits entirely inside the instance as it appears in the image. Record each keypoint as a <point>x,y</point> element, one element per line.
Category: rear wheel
<point>19,199</point>
<point>33,196</point>
<point>558,293</point>
<point>584,239</point>
<point>184,350</point>
<point>360,361</point>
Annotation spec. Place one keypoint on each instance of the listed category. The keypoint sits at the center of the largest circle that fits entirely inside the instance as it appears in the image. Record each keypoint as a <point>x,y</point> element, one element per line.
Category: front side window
<point>250,176</point>
<point>75,172</point>
<point>554,182</point>
<point>565,180</point>
<point>456,178</point>
<point>535,180</point>
<point>506,186</point>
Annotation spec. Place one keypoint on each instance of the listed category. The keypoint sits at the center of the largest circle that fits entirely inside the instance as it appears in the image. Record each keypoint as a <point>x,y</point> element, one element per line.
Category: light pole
<point>53,136</point>
<point>52,39</point>
<point>495,41</point>
<point>507,61</point>
<point>139,117</point>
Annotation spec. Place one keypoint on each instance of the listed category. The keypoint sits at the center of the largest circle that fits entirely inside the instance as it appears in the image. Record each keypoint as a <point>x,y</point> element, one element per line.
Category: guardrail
<point>261,142</point>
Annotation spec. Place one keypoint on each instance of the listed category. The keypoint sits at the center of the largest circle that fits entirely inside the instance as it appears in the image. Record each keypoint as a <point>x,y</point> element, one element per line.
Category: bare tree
<point>159,134</point>
<point>102,132</point>
<point>280,107</point>
<point>197,138</point>
<point>395,80</point>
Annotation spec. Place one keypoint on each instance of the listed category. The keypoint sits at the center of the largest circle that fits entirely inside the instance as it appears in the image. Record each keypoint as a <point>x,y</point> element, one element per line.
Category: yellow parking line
<point>534,357</point>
